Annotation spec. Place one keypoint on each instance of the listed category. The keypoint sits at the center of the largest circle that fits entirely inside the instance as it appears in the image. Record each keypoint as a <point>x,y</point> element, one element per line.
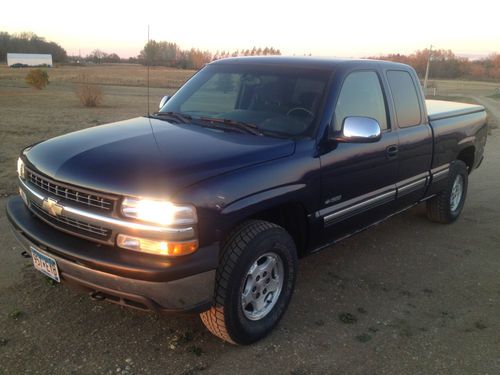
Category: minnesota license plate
<point>45,264</point>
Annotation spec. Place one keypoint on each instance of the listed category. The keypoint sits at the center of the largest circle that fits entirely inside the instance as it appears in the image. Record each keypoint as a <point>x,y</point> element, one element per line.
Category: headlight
<point>20,168</point>
<point>158,212</point>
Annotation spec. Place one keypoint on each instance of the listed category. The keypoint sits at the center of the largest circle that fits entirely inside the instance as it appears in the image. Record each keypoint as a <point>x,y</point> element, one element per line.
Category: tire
<point>246,268</point>
<point>445,207</point>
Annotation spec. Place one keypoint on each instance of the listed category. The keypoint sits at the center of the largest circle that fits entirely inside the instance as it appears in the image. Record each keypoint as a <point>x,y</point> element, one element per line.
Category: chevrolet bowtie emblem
<point>50,205</point>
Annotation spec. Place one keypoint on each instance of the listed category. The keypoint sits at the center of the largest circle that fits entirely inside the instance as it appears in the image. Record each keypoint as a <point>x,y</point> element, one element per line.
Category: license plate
<point>45,264</point>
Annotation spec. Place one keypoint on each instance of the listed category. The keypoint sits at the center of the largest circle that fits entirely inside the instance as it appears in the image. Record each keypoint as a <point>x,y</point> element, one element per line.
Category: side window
<point>405,98</point>
<point>361,95</point>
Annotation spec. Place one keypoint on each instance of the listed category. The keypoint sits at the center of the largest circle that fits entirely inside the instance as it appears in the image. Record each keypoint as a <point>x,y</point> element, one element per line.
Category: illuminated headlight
<point>20,168</point>
<point>158,212</point>
<point>159,247</point>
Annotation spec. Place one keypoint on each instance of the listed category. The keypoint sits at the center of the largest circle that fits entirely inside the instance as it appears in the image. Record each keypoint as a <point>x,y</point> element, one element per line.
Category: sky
<point>347,28</point>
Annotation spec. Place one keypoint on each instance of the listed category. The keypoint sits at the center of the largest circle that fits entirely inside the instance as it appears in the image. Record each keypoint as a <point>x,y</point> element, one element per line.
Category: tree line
<point>29,43</point>
<point>445,64</point>
<point>98,57</point>
<point>267,51</point>
<point>170,54</point>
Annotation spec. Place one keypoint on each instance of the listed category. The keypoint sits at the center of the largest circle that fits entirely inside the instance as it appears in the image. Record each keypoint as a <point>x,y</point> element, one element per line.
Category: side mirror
<point>163,101</point>
<point>358,129</point>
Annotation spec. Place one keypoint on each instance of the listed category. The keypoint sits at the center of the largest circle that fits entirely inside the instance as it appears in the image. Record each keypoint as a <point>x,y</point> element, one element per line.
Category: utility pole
<point>147,64</point>
<point>427,69</point>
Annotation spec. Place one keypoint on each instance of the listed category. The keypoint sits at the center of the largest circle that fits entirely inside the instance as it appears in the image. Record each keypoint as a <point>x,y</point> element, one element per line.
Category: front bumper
<point>126,277</point>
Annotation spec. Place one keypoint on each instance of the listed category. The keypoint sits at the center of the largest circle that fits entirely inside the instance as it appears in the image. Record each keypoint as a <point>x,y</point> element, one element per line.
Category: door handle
<point>392,151</point>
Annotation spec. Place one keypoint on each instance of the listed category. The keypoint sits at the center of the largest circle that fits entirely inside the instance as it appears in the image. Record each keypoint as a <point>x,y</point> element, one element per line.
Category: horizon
<point>302,30</point>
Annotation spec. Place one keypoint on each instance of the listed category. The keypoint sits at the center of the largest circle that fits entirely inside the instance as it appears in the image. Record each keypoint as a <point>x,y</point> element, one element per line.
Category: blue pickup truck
<point>206,205</point>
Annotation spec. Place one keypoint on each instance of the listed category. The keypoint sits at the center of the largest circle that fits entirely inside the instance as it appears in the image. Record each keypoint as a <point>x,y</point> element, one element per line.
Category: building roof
<point>30,55</point>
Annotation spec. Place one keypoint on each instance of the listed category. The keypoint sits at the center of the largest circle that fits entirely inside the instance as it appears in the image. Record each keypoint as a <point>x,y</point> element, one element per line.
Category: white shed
<point>29,59</point>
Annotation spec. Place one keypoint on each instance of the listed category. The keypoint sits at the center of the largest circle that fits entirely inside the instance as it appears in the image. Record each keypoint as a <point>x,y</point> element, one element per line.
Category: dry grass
<point>465,88</point>
<point>108,74</point>
<point>28,116</point>
<point>89,94</point>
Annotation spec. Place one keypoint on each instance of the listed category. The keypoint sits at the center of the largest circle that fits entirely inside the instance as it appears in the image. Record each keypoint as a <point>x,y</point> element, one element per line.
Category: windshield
<point>277,100</point>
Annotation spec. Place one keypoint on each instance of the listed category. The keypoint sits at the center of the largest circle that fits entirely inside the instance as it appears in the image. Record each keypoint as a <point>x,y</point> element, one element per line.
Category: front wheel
<point>254,282</point>
<point>446,206</point>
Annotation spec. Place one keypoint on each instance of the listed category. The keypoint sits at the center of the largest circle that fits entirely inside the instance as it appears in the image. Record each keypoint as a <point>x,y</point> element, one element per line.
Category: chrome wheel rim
<point>456,192</point>
<point>262,286</point>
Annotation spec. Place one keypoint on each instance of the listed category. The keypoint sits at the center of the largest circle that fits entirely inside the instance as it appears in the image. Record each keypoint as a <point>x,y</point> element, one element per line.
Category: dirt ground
<point>405,297</point>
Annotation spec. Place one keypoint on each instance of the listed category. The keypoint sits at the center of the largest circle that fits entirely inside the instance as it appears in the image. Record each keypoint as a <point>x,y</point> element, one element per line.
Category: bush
<point>37,78</point>
<point>89,94</point>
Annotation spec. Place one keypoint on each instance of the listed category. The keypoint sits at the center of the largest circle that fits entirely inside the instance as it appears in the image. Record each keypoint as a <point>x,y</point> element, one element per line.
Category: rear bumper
<point>183,284</point>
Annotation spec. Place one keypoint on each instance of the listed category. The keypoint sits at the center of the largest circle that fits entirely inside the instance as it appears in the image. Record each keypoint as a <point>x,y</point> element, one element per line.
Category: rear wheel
<point>254,282</point>
<point>447,205</point>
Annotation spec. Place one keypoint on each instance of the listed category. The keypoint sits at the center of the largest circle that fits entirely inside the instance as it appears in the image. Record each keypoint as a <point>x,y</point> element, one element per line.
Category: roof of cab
<point>307,62</point>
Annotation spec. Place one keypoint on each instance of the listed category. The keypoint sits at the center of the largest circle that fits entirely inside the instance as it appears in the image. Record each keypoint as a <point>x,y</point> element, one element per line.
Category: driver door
<point>358,180</point>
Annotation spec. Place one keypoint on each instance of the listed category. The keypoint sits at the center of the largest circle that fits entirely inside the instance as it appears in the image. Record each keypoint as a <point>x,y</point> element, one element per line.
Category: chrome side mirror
<point>357,129</point>
<point>163,101</point>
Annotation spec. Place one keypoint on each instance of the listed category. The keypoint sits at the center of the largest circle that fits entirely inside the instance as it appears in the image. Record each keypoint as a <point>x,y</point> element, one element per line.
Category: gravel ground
<point>405,297</point>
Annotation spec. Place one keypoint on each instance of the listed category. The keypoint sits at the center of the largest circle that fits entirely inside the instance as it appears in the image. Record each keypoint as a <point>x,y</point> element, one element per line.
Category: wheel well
<point>290,216</point>
<point>293,218</point>
<point>467,156</point>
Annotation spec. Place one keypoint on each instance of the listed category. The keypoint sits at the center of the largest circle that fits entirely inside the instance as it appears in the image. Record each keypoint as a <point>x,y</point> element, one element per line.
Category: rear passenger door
<point>358,179</point>
<point>415,137</point>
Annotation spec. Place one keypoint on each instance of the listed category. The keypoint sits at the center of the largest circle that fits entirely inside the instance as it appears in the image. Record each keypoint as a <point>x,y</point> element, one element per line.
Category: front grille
<point>80,197</point>
<point>72,225</point>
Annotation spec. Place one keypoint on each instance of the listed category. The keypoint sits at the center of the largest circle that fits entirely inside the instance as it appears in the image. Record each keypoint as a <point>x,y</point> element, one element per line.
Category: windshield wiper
<point>249,128</point>
<point>179,117</point>
<point>215,122</point>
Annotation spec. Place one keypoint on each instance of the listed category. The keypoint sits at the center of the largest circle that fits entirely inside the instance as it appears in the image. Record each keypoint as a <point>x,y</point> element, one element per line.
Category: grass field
<point>29,115</point>
<point>105,74</point>
<point>465,88</point>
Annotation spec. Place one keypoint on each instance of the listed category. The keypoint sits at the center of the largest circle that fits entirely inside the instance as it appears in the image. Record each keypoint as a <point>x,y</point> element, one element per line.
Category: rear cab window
<point>405,98</point>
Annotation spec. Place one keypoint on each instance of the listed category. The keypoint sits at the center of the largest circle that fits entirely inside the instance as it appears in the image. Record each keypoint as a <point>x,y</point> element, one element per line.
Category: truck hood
<point>150,158</point>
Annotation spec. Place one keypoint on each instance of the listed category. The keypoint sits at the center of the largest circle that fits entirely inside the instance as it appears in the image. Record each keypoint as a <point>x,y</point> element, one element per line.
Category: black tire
<point>247,243</point>
<point>439,208</point>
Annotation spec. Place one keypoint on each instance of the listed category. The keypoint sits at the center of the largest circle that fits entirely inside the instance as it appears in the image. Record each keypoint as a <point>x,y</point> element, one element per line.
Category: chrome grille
<point>72,225</point>
<point>80,197</point>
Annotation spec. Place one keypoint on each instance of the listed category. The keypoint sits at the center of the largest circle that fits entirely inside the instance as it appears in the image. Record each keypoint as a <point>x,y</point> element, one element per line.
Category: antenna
<point>147,66</point>
<point>427,69</point>
<point>149,118</point>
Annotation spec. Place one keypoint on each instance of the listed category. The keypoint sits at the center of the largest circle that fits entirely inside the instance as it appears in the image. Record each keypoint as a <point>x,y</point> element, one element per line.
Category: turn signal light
<point>168,248</point>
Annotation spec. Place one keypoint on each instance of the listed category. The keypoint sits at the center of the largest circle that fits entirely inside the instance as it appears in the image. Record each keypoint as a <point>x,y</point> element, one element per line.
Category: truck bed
<point>440,109</point>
